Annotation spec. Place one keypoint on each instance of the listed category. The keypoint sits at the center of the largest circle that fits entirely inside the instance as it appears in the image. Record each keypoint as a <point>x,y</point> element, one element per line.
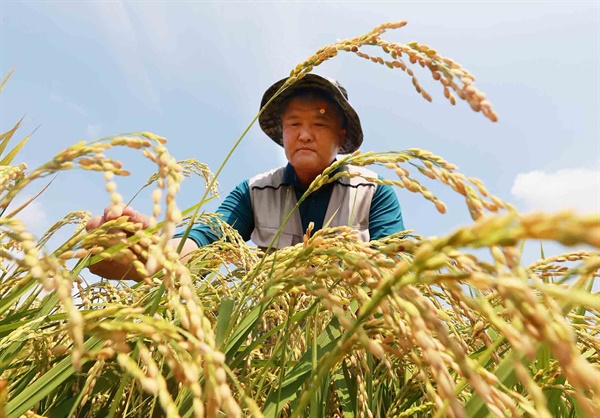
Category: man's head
<point>311,87</point>
<point>313,133</point>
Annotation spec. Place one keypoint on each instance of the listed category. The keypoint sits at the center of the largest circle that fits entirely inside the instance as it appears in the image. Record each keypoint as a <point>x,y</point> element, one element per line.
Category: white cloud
<point>577,189</point>
<point>93,131</point>
<point>33,215</point>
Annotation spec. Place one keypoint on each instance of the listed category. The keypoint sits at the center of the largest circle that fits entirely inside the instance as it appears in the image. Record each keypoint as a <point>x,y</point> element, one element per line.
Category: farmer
<point>313,121</point>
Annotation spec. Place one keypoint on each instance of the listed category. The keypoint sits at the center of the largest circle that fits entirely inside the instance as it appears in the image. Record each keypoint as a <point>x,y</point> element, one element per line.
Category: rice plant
<point>402,326</point>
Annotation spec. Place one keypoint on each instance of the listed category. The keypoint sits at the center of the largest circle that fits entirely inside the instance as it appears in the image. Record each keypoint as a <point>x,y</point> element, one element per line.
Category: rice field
<point>405,326</point>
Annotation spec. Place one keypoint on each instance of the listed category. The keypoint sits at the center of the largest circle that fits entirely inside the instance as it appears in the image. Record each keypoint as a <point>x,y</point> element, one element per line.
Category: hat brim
<point>270,119</point>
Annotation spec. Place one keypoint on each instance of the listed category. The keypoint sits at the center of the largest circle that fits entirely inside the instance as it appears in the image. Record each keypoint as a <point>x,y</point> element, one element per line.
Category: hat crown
<point>338,85</point>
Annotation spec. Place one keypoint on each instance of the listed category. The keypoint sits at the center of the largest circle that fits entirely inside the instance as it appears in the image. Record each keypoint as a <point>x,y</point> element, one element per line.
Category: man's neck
<point>305,179</point>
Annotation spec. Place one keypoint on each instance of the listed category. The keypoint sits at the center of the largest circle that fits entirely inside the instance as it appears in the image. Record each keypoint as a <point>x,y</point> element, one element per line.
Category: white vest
<point>272,201</point>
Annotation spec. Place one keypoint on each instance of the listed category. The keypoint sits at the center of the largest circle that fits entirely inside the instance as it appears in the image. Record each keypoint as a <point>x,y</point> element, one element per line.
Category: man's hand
<point>122,267</point>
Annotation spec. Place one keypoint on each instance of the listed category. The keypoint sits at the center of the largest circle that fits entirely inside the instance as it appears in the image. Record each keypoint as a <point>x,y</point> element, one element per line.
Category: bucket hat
<point>270,119</point>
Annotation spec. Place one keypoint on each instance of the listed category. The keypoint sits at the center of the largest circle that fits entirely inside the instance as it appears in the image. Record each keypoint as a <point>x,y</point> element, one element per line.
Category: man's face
<point>312,136</point>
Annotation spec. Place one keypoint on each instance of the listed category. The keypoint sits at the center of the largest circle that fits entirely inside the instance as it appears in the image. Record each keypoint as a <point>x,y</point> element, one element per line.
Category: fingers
<point>136,217</point>
<point>94,223</point>
<point>113,212</point>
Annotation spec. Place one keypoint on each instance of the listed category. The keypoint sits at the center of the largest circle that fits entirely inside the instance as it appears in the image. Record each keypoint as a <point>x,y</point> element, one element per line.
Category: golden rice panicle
<point>150,381</point>
<point>431,357</point>
<point>87,156</point>
<point>115,198</point>
<point>477,198</point>
<point>177,280</point>
<point>524,321</point>
<point>15,230</point>
<point>329,51</point>
<point>169,179</point>
<point>75,321</point>
<point>192,166</point>
<point>9,174</point>
<point>83,292</point>
<point>48,272</point>
<point>546,322</point>
<point>95,372</point>
<point>362,398</point>
<point>457,349</point>
<point>450,74</point>
<point>559,265</point>
<point>79,218</point>
<point>565,227</point>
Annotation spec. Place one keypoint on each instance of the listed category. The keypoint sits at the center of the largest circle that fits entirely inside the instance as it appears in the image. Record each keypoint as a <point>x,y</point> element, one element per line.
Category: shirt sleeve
<point>385,217</point>
<point>236,210</point>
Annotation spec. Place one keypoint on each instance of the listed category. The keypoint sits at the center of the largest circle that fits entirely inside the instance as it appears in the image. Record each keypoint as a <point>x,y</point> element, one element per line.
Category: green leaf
<point>14,322</point>
<point>46,384</point>
<point>369,381</point>
<point>6,79</point>
<point>576,410</point>
<point>343,384</point>
<point>542,250</point>
<point>48,304</point>
<point>63,409</point>
<point>125,380</point>
<point>324,401</point>
<point>242,355</point>
<point>506,376</point>
<point>580,311</point>
<point>554,396</point>
<point>151,310</point>
<point>543,358</point>
<point>223,321</point>
<point>294,379</point>
<point>7,301</point>
<point>298,375</point>
<point>242,331</point>
<point>24,205</point>
<point>6,136</point>
<point>13,153</point>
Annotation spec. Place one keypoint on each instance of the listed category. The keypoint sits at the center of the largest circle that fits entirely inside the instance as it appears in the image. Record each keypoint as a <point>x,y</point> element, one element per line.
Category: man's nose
<point>305,134</point>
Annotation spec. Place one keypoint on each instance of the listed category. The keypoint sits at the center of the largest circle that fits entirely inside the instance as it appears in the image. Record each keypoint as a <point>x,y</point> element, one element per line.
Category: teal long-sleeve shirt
<point>385,216</point>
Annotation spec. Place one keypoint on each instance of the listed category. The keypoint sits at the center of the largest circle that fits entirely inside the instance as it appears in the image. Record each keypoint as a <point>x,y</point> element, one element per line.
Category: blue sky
<point>194,72</point>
